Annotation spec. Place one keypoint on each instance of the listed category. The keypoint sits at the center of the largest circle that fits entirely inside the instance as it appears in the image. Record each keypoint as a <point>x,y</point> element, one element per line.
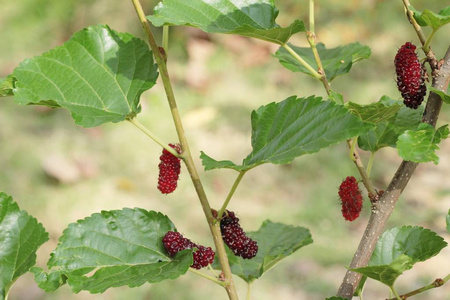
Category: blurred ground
<point>218,81</point>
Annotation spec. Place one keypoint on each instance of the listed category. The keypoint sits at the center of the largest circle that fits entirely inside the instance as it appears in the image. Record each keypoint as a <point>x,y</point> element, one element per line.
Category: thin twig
<point>435,284</point>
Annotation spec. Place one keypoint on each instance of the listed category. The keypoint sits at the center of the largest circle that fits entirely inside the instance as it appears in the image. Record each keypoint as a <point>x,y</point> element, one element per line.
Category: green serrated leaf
<point>445,97</point>
<point>48,281</point>
<point>429,18</point>
<point>416,242</point>
<point>117,248</point>
<point>275,242</point>
<point>387,132</point>
<point>251,18</point>
<point>336,97</point>
<point>20,237</point>
<point>420,145</point>
<point>6,86</point>
<point>387,274</point>
<point>98,75</point>
<point>335,61</point>
<point>336,298</point>
<point>375,112</point>
<point>294,127</point>
<point>210,163</point>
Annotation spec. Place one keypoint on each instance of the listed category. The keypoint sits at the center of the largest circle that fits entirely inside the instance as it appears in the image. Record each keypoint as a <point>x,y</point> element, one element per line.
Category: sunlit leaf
<point>251,18</point>
<point>335,61</point>
<point>420,145</point>
<point>275,242</point>
<point>20,237</point>
<point>429,18</point>
<point>112,249</point>
<point>98,75</point>
<point>445,97</point>
<point>294,127</point>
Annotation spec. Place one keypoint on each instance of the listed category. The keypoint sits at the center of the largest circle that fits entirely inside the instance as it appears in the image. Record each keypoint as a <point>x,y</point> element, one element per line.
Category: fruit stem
<point>213,279</point>
<point>302,61</point>
<point>230,194</point>
<point>141,127</point>
<point>214,228</point>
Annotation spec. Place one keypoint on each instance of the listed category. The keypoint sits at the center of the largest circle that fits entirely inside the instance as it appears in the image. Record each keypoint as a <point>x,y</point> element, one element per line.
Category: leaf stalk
<point>230,194</point>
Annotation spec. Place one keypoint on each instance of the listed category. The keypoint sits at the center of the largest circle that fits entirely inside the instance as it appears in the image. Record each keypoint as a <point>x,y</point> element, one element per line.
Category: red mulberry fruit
<point>235,238</point>
<point>410,76</point>
<point>351,198</point>
<point>169,170</point>
<point>174,242</point>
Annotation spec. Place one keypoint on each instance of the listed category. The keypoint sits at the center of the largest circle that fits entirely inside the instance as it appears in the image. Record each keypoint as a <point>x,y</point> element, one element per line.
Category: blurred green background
<point>60,172</point>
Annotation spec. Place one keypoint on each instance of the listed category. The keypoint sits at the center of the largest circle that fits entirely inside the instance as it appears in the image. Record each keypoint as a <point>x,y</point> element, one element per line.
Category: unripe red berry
<point>174,242</point>
<point>351,198</point>
<point>169,170</point>
<point>410,76</point>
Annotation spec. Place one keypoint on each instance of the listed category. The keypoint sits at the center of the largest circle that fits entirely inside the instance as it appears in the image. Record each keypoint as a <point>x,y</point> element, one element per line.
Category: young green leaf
<point>20,237</point>
<point>251,18</point>
<point>387,131</point>
<point>98,75</point>
<point>445,97</point>
<point>335,61</point>
<point>116,248</point>
<point>420,145</point>
<point>398,249</point>
<point>429,18</point>
<point>275,242</point>
<point>6,86</point>
<point>294,127</point>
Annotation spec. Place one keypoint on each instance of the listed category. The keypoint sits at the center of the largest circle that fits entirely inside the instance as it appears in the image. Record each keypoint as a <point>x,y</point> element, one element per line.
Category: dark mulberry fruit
<point>174,242</point>
<point>235,238</point>
<point>351,198</point>
<point>169,170</point>
<point>410,76</point>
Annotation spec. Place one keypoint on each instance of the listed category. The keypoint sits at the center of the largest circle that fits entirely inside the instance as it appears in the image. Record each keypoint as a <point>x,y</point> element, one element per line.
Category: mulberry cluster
<point>351,198</point>
<point>169,170</point>
<point>235,237</point>
<point>410,76</point>
<point>175,242</point>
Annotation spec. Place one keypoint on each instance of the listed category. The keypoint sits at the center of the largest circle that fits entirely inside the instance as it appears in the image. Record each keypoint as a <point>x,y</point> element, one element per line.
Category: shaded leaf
<point>336,97</point>
<point>20,237</point>
<point>335,61</point>
<point>98,75</point>
<point>294,127</point>
<point>251,18</point>
<point>420,145</point>
<point>275,242</point>
<point>387,274</point>
<point>387,132</point>
<point>116,248</point>
<point>398,249</point>
<point>6,86</point>
<point>445,97</point>
<point>375,112</point>
<point>429,18</point>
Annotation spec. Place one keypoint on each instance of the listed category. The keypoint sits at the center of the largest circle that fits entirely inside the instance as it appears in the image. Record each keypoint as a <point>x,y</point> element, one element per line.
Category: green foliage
<point>20,237</point>
<point>420,145</point>
<point>429,18</point>
<point>98,75</point>
<point>335,61</point>
<point>275,242</point>
<point>293,127</point>
<point>252,18</point>
<point>375,112</point>
<point>444,97</point>
<point>119,247</point>
<point>448,221</point>
<point>336,298</point>
<point>398,249</point>
<point>6,86</point>
<point>388,129</point>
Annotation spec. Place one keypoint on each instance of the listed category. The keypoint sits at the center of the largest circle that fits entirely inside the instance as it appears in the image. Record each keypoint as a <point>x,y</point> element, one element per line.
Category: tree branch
<point>382,209</point>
